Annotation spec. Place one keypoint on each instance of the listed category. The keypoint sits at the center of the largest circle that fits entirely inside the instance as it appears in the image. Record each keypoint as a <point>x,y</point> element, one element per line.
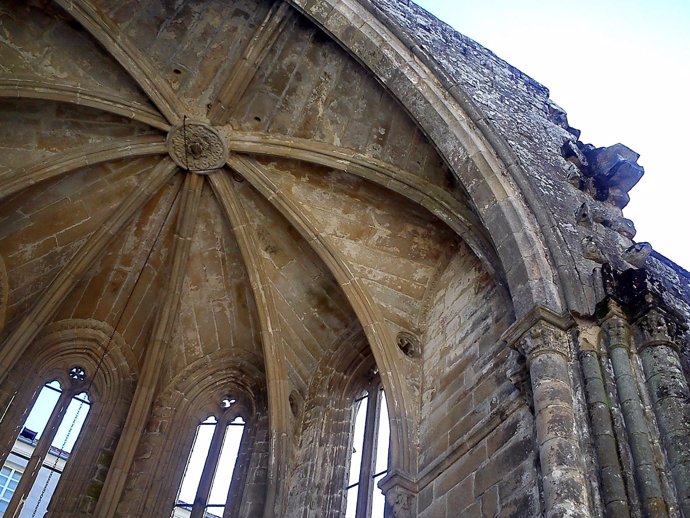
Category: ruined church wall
<point>477,446</point>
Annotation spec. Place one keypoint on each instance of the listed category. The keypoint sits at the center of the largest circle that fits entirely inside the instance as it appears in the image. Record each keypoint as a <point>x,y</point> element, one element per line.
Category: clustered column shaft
<point>613,487</point>
<point>617,341</point>
<point>670,396</point>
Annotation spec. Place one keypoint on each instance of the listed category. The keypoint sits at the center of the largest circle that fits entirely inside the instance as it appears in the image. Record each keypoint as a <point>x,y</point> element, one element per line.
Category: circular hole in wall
<point>409,344</point>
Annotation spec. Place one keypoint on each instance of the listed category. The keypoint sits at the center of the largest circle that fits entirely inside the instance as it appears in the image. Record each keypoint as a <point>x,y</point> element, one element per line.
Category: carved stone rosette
<point>198,147</point>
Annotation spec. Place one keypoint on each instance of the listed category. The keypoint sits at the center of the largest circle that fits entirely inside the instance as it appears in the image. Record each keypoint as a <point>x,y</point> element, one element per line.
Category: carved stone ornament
<point>400,502</point>
<point>656,327</point>
<point>409,344</point>
<point>616,332</point>
<point>197,147</point>
<point>544,338</point>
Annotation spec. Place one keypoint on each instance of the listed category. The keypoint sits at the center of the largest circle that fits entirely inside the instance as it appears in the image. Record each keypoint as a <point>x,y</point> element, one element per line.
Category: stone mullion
<point>605,445</point>
<point>541,336</point>
<point>366,472</point>
<point>669,395</point>
<point>617,342</point>
<point>148,380</point>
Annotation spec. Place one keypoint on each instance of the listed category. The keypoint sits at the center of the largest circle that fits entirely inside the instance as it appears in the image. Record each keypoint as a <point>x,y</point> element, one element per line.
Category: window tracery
<point>205,490</point>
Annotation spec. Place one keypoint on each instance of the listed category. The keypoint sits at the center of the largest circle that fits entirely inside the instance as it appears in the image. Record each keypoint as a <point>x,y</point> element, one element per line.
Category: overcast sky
<point>621,70</point>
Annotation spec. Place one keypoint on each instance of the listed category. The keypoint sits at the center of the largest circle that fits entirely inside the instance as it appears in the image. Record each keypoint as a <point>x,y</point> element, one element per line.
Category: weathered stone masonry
<point>290,202</point>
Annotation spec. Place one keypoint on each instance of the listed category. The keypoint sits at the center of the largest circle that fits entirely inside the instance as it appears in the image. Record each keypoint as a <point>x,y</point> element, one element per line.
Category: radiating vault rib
<point>101,100</point>
<point>436,200</point>
<point>243,72</point>
<point>155,352</point>
<point>400,400</point>
<point>269,318</point>
<point>15,180</point>
<point>50,300</point>
<point>123,50</point>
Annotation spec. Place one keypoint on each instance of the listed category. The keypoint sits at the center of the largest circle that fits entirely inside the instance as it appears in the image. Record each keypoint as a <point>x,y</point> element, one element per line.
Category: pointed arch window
<point>369,456</point>
<point>43,447</point>
<point>205,490</point>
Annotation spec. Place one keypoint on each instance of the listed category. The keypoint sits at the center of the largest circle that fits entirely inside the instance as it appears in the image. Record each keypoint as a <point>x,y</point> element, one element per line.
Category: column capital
<point>540,331</point>
<point>400,501</point>
<point>400,491</point>
<point>657,327</point>
<point>616,331</point>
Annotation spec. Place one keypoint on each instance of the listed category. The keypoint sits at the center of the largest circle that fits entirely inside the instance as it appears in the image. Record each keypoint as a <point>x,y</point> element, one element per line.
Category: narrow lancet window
<point>43,447</point>
<point>369,456</point>
<point>205,486</point>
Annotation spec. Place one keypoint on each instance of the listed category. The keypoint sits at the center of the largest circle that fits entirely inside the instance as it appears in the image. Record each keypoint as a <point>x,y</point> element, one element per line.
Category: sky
<point>621,70</point>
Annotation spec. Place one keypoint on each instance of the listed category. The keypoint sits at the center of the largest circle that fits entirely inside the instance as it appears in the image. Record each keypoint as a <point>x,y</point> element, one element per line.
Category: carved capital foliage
<point>540,331</point>
<point>400,501</point>
<point>544,338</point>
<point>657,327</point>
<point>616,332</point>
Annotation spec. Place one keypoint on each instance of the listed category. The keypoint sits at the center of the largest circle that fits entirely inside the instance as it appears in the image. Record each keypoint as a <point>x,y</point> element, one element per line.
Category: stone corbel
<point>400,492</point>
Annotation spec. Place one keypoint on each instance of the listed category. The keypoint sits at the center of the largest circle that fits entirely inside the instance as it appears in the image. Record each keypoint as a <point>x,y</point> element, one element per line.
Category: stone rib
<point>66,280</point>
<point>382,344</point>
<point>244,71</point>
<point>439,202</point>
<point>148,380</point>
<point>15,180</point>
<point>276,372</point>
<point>126,53</point>
<point>101,100</point>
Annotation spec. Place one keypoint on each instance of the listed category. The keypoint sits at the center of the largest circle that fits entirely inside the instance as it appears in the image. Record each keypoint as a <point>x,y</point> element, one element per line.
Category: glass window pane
<point>378,500</point>
<point>382,445</point>
<point>358,442</point>
<point>196,461</point>
<point>37,501</point>
<point>72,423</point>
<point>351,502</point>
<point>43,407</point>
<point>226,467</point>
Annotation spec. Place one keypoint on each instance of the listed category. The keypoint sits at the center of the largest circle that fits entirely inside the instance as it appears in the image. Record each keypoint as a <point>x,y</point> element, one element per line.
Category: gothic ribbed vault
<point>219,180</point>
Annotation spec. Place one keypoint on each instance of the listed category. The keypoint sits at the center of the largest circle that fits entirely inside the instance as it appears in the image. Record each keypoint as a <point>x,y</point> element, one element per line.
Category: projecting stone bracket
<point>606,173</point>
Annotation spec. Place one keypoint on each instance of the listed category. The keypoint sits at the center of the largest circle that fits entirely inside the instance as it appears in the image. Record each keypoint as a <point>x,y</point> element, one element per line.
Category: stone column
<point>669,394</point>
<point>543,339</point>
<point>616,337</point>
<point>614,494</point>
